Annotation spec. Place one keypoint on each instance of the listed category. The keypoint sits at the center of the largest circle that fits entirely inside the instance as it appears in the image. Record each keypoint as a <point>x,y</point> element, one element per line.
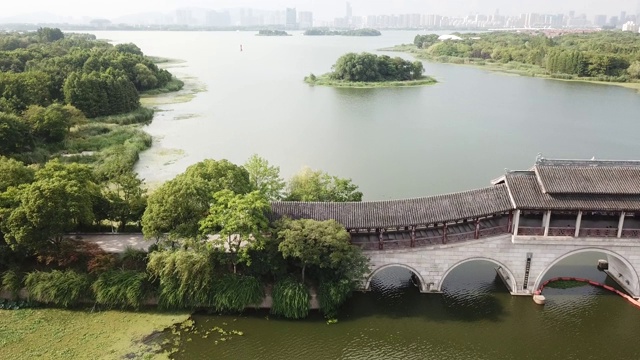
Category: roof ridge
<point>391,200</point>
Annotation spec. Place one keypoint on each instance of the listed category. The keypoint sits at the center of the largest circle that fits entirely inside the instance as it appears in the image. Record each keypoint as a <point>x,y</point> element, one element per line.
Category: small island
<point>272,33</point>
<point>367,70</point>
<point>327,32</point>
<point>608,57</point>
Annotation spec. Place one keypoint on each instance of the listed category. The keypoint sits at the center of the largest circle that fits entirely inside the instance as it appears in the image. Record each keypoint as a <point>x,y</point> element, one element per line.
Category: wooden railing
<point>605,232</point>
<point>562,231</point>
<point>530,231</point>
<point>630,233</point>
<point>493,231</point>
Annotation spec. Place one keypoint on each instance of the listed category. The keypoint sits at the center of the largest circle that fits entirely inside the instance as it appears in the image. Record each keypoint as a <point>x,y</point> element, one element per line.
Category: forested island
<point>370,70</point>
<point>272,33</point>
<point>354,32</point>
<point>605,56</point>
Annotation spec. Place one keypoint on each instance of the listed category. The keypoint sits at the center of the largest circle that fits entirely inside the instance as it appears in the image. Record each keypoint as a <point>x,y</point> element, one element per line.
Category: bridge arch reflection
<point>620,269</point>
<point>415,272</point>
<point>507,275</point>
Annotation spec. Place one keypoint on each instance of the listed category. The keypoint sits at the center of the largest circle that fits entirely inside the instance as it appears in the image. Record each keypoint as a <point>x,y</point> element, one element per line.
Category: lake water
<point>394,143</point>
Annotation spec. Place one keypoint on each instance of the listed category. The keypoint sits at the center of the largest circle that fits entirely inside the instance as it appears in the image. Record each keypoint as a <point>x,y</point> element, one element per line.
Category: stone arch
<point>634,281</point>
<point>367,285</point>
<point>510,277</point>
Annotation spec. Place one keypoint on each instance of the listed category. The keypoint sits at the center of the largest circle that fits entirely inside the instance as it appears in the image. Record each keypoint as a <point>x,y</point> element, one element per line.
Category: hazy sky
<point>323,9</point>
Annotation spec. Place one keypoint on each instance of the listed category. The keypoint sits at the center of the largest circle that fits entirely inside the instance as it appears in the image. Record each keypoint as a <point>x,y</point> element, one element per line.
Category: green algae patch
<point>63,334</point>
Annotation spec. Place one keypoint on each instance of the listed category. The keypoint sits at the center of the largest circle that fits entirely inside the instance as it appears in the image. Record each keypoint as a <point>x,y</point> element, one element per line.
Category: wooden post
<point>380,242</point>
<point>413,236</point>
<point>510,222</point>
<point>444,233</point>
<point>476,234</point>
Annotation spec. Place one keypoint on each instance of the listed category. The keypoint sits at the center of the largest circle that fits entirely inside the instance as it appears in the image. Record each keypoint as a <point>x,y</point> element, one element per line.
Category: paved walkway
<point>116,243</point>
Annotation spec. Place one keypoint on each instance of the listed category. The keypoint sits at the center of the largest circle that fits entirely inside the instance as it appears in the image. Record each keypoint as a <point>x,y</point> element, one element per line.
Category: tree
<point>239,220</point>
<point>48,209</point>
<point>52,124</point>
<point>13,173</point>
<point>312,185</point>
<point>324,244</point>
<point>50,34</point>
<point>127,199</point>
<point>265,178</point>
<point>15,135</point>
<point>178,205</point>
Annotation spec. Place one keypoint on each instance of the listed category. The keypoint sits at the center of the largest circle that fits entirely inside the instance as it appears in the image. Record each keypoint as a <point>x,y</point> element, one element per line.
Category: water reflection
<point>474,318</point>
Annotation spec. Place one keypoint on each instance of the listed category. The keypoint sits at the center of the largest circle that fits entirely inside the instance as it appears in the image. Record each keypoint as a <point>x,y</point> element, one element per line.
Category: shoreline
<point>325,81</point>
<point>504,68</point>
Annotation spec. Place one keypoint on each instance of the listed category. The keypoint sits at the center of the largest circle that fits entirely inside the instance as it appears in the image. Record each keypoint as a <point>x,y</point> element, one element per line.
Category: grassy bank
<point>513,67</point>
<point>64,334</point>
<point>324,80</point>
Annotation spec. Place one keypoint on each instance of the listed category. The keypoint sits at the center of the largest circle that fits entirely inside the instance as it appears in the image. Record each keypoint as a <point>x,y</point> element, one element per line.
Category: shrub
<point>290,299</point>
<point>62,288</point>
<point>134,259</point>
<point>234,293</point>
<point>142,115</point>
<point>121,289</point>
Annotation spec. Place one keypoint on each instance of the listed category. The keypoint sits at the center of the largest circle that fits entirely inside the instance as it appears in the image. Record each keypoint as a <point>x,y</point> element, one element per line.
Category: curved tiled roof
<point>589,180</point>
<point>399,213</point>
<point>527,194</point>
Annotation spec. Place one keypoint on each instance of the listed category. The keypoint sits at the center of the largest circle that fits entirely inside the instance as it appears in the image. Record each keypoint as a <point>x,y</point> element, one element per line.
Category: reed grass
<point>141,115</point>
<point>12,282</point>
<point>290,299</point>
<point>234,293</point>
<point>121,289</point>
<point>61,288</point>
<point>186,278</point>
<point>332,294</point>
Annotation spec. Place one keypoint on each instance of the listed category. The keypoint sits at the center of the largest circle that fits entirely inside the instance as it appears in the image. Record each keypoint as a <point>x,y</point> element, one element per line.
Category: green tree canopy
<point>239,220</point>
<point>366,67</point>
<point>177,207</point>
<point>13,173</point>
<point>15,135</point>
<point>265,178</point>
<point>316,185</point>
<point>48,209</point>
<point>323,244</point>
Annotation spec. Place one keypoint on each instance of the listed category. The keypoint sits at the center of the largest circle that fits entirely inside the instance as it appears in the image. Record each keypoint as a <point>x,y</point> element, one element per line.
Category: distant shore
<point>514,68</point>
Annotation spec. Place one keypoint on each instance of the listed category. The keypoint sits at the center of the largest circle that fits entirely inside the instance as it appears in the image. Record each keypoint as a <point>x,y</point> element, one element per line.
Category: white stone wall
<point>433,263</point>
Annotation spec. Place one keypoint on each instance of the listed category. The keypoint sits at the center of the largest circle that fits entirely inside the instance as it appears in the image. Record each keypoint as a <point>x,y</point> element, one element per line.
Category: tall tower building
<point>291,18</point>
<point>349,12</point>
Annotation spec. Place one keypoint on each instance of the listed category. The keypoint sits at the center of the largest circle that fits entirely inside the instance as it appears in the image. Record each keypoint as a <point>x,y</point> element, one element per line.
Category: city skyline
<point>323,10</point>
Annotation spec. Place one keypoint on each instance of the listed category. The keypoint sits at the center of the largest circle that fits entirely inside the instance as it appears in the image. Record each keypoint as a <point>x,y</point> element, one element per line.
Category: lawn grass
<point>64,334</point>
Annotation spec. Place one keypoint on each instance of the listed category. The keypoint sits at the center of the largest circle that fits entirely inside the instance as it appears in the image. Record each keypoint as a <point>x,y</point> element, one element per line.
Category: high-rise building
<point>305,19</point>
<point>623,16</point>
<point>600,20</point>
<point>349,11</point>
<point>292,19</point>
<point>630,26</point>
<point>184,17</point>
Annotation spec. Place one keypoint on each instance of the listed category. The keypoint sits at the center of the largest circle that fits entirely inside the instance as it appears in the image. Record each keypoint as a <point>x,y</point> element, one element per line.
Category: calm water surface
<point>394,143</point>
<point>475,318</point>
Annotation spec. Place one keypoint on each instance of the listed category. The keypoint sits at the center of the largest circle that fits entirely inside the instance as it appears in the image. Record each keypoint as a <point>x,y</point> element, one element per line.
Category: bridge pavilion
<point>554,209</point>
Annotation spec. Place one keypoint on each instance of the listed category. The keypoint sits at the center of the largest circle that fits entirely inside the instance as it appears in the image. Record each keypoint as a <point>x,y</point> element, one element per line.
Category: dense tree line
<point>354,32</point>
<point>47,66</point>
<point>606,55</point>
<point>212,232</point>
<point>366,67</point>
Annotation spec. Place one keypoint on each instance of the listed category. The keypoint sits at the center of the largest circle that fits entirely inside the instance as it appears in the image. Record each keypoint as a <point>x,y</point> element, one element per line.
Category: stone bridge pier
<point>521,261</point>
